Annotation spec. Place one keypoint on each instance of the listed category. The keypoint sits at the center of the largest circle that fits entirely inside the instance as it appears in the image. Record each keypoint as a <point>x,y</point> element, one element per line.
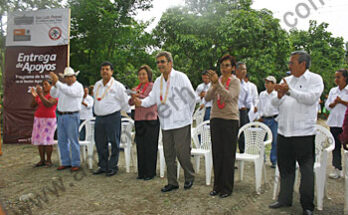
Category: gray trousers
<point>177,143</point>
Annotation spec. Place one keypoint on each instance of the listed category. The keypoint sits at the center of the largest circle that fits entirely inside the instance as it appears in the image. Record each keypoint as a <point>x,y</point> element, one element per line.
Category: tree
<point>201,32</point>
<point>327,52</point>
<point>104,30</point>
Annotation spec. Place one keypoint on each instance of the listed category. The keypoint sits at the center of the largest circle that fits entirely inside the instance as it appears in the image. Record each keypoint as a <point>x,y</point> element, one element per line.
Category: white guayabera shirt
<point>298,110</point>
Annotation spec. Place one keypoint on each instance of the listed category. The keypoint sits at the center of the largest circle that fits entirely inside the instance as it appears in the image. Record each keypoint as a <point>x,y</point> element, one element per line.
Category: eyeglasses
<point>160,61</point>
<point>225,65</point>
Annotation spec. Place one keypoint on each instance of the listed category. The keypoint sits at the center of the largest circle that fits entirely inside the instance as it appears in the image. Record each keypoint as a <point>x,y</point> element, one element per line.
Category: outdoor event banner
<point>37,43</point>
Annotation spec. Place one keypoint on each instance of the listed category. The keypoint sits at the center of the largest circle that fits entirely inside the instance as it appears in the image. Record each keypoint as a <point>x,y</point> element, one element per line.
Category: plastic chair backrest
<point>199,116</point>
<point>254,136</point>
<point>202,130</point>
<point>323,140</point>
<point>89,128</point>
<point>126,130</point>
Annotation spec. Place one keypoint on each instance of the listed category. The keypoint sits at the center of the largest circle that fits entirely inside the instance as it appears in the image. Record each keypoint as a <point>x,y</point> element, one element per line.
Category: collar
<point>171,74</point>
<point>112,80</point>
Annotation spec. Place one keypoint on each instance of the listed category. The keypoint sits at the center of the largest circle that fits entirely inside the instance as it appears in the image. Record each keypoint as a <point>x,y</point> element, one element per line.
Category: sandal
<point>41,163</point>
<point>48,163</point>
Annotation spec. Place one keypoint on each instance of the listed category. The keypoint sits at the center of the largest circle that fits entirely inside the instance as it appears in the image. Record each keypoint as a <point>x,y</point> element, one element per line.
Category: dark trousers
<point>336,153</point>
<point>108,130</point>
<point>243,119</point>
<point>83,130</point>
<point>146,137</point>
<point>290,150</point>
<point>177,143</point>
<point>224,143</point>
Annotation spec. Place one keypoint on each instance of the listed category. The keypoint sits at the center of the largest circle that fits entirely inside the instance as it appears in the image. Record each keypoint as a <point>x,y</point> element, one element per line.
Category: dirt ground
<point>28,190</point>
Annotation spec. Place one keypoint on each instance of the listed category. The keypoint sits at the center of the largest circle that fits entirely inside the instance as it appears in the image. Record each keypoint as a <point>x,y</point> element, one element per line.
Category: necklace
<point>105,92</point>
<point>161,90</point>
<point>144,88</point>
<point>221,106</point>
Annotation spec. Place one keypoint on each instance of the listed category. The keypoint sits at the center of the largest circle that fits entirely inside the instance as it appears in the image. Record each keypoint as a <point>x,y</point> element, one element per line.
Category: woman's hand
<point>33,92</point>
<point>214,78</point>
<point>39,89</point>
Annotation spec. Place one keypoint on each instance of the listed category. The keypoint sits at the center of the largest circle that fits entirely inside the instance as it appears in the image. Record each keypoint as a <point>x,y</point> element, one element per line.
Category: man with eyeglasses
<point>296,100</point>
<point>175,99</point>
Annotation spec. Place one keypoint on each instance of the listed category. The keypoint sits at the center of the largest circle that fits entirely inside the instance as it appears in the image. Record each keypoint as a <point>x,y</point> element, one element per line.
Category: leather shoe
<point>188,185</point>
<point>98,171</point>
<point>63,167</point>
<point>111,172</point>
<point>75,168</point>
<point>169,188</point>
<point>307,212</point>
<point>213,193</point>
<point>224,195</point>
<point>140,177</point>
<point>276,205</point>
<point>148,178</point>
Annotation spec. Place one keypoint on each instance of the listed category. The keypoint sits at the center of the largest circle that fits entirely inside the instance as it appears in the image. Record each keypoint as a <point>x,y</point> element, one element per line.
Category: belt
<point>65,113</point>
<point>270,117</point>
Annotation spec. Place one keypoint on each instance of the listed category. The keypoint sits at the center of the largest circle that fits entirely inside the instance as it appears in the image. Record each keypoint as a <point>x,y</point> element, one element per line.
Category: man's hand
<point>54,78</point>
<point>333,104</point>
<point>137,102</point>
<point>214,78</point>
<point>282,88</point>
<point>255,109</point>
<point>202,94</point>
<point>338,100</point>
<point>33,92</point>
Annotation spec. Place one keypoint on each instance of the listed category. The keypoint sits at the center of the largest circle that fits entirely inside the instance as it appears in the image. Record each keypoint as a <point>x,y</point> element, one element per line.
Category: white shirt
<point>87,112</point>
<point>69,97</point>
<point>115,98</point>
<point>178,110</point>
<point>298,111</point>
<point>265,107</point>
<point>203,88</point>
<point>336,116</point>
<point>245,99</point>
<point>253,93</point>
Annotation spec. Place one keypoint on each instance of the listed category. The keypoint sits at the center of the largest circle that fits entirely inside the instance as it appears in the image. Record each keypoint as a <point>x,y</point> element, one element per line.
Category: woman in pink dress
<point>44,122</point>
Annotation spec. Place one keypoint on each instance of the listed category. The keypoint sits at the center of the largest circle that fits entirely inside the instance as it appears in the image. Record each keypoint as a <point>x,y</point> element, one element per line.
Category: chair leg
<point>83,153</point>
<point>208,168</point>
<point>276,183</point>
<point>241,170</point>
<point>178,170</point>
<point>127,158</point>
<point>197,160</point>
<point>90,155</point>
<point>258,175</point>
<point>162,162</point>
<point>319,184</point>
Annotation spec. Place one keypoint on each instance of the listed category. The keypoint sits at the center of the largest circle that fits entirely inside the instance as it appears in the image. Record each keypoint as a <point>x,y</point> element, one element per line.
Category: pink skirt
<point>43,131</point>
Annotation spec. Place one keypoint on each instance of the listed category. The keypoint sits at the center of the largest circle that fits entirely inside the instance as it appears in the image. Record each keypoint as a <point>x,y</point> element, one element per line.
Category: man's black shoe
<point>307,212</point>
<point>111,172</point>
<point>224,195</point>
<point>169,187</point>
<point>148,178</point>
<point>276,205</point>
<point>98,171</point>
<point>213,193</point>
<point>188,185</point>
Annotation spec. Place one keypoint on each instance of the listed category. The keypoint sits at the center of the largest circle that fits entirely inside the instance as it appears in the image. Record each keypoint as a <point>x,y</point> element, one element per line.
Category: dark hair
<point>344,74</point>
<point>107,63</point>
<point>205,72</point>
<point>303,57</point>
<point>239,63</point>
<point>247,75</point>
<point>228,57</point>
<point>148,71</point>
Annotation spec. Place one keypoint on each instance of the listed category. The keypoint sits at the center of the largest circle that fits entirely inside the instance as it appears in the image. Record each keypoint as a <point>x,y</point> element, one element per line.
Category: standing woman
<point>44,122</point>
<point>337,103</point>
<point>224,124</point>
<point>146,127</point>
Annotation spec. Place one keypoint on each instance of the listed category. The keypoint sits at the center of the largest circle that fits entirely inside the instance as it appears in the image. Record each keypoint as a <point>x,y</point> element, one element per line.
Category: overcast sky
<point>334,12</point>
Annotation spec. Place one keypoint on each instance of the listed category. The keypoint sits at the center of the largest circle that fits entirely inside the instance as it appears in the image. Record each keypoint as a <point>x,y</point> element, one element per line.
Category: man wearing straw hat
<point>69,96</point>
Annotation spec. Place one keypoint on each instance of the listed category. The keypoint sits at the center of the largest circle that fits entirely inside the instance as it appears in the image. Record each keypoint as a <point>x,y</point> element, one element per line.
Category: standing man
<point>86,111</point>
<point>268,114</point>
<point>297,99</point>
<point>244,102</point>
<point>109,99</point>
<point>253,92</point>
<point>175,99</point>
<point>69,95</point>
<point>200,92</point>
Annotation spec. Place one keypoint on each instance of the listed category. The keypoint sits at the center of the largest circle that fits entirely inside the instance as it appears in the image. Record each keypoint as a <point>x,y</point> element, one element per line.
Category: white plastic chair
<point>127,136</point>
<point>202,148</point>
<point>254,134</point>
<point>345,182</point>
<point>324,144</point>
<point>88,142</point>
<point>198,117</point>
<point>161,154</point>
